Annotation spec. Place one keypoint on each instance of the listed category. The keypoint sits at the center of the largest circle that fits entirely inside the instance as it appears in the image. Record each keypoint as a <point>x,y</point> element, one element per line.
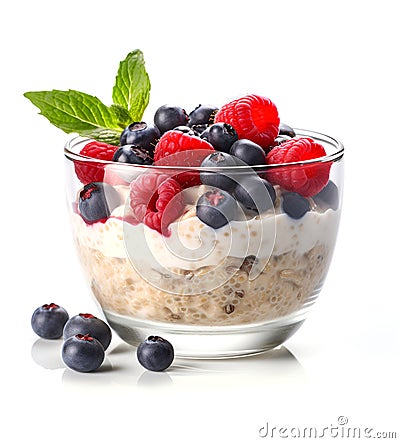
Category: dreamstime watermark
<point>341,429</point>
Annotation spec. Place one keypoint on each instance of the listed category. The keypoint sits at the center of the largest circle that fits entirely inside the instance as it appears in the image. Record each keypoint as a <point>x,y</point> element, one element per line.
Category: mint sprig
<point>77,112</point>
<point>132,85</point>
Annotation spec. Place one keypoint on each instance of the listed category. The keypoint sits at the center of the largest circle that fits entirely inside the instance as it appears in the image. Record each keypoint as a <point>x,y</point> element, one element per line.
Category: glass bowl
<point>239,289</point>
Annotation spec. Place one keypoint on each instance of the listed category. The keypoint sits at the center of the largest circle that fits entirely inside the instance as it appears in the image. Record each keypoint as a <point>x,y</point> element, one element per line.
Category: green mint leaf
<point>132,85</point>
<point>122,115</point>
<point>74,111</point>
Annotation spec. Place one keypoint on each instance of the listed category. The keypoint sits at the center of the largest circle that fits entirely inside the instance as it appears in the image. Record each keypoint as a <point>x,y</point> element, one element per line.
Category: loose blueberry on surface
<point>168,117</point>
<point>216,208</point>
<point>140,134</point>
<point>286,130</point>
<point>328,197</point>
<point>223,180</point>
<point>96,201</point>
<point>133,154</point>
<point>82,353</point>
<point>248,151</point>
<point>202,115</point>
<point>88,324</point>
<point>295,205</point>
<point>221,136</point>
<point>155,353</point>
<point>48,321</point>
<point>255,193</point>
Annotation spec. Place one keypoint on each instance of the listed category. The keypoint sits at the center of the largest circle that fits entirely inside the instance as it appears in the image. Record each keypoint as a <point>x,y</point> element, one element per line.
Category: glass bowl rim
<point>318,136</point>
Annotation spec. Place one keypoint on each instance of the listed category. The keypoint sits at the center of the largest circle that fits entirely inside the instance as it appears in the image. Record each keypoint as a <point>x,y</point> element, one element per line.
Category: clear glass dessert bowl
<point>156,268</point>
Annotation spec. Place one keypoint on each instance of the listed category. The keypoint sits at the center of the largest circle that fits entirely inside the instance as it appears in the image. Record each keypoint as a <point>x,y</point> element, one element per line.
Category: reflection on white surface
<point>46,353</point>
<point>121,368</point>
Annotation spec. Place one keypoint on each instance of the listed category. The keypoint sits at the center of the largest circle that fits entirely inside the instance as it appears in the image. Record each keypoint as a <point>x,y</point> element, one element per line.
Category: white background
<point>330,66</point>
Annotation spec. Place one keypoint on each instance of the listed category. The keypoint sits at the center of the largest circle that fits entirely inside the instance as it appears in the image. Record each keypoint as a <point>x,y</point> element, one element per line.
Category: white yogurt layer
<point>193,245</point>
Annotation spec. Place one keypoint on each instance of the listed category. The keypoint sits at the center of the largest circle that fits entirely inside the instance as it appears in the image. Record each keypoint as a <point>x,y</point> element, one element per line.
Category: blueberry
<point>140,134</point>
<point>169,117</point>
<point>96,201</point>
<point>222,180</point>
<point>48,321</point>
<point>205,134</point>
<point>255,193</point>
<point>295,205</point>
<point>133,154</point>
<point>202,115</point>
<point>286,130</point>
<point>328,197</point>
<point>88,324</point>
<point>199,129</point>
<point>281,139</point>
<point>221,136</point>
<point>248,151</point>
<point>216,208</point>
<point>185,130</point>
<point>82,353</point>
<point>155,353</point>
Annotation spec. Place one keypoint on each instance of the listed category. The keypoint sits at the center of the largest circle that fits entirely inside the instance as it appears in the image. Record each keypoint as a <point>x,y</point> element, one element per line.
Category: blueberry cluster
<point>232,185</point>
<point>86,338</point>
<point>139,139</point>
<point>216,208</point>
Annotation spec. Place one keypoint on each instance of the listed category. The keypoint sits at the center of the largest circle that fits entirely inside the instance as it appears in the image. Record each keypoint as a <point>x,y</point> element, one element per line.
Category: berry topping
<point>156,201</point>
<point>48,321</point>
<point>91,172</point>
<point>306,179</point>
<point>202,115</point>
<point>285,129</point>
<point>249,152</point>
<point>176,141</point>
<point>221,136</point>
<point>216,208</point>
<point>169,117</point>
<point>155,353</point>
<point>255,193</point>
<point>140,134</point>
<point>97,201</point>
<point>254,117</point>
<point>133,154</point>
<point>328,197</point>
<point>295,205</point>
<point>88,324</point>
<point>221,179</point>
<point>82,353</point>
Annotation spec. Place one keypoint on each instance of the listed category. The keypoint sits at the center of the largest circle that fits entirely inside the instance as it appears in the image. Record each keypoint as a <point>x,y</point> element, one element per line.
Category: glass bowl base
<point>202,342</point>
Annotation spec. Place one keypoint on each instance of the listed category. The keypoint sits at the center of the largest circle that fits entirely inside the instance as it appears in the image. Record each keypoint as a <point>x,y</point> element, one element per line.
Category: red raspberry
<point>92,172</point>
<point>307,179</point>
<point>176,141</point>
<point>254,118</point>
<point>156,201</point>
<point>176,148</point>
